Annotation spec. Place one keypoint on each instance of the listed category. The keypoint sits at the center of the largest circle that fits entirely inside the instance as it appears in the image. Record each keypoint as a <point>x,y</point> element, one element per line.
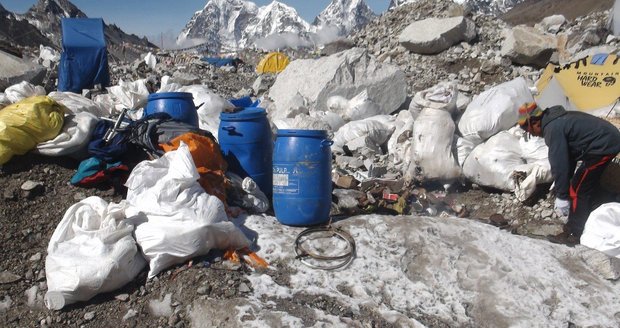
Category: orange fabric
<point>250,258</point>
<point>208,160</point>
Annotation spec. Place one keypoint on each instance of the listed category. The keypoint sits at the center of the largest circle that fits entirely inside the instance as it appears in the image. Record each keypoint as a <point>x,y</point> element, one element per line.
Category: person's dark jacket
<point>572,136</point>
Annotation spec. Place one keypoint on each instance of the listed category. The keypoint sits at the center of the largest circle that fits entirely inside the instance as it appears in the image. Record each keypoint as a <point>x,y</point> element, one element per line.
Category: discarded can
<point>389,196</point>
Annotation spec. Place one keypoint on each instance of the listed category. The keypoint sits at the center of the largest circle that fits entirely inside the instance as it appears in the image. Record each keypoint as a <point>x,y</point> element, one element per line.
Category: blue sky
<point>152,17</point>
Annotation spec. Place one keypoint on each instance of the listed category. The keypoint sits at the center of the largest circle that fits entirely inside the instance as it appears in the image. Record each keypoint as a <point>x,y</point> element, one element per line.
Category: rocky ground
<point>35,193</point>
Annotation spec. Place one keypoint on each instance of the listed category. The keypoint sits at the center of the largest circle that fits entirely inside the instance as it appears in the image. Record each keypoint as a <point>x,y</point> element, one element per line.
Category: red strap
<point>573,191</point>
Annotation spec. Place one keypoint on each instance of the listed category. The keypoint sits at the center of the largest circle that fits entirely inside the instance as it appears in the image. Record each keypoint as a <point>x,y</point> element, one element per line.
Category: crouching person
<point>573,136</point>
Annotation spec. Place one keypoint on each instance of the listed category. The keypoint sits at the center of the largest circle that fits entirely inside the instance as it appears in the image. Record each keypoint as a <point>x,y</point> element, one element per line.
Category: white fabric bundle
<point>175,218</point>
<point>91,251</point>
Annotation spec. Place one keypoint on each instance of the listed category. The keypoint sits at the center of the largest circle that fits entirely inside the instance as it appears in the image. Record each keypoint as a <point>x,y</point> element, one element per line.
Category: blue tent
<point>84,57</point>
<point>219,62</point>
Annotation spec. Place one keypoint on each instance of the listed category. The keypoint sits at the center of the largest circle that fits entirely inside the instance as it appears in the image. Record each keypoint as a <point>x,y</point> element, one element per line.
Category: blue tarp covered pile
<point>84,57</point>
<point>219,62</point>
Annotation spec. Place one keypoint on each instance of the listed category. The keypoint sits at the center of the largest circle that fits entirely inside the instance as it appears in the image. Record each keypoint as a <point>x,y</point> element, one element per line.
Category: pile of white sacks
<point>443,136</point>
<point>349,94</point>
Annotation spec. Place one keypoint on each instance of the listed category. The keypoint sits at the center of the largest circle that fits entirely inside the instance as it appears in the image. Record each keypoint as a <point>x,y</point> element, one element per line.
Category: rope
<point>612,107</point>
<point>307,257</point>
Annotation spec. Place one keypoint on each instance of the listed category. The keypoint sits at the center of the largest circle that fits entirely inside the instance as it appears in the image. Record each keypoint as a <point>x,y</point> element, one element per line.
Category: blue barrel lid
<point>302,133</point>
<point>162,95</point>
<point>242,114</point>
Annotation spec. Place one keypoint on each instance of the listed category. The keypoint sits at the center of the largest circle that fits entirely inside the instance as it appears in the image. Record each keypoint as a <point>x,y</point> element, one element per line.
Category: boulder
<point>14,70</point>
<point>526,45</point>
<point>434,35</point>
<point>309,83</point>
<point>551,24</point>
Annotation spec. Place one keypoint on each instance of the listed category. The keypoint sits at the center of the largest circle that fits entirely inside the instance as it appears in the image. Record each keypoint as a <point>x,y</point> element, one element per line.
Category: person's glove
<point>562,206</point>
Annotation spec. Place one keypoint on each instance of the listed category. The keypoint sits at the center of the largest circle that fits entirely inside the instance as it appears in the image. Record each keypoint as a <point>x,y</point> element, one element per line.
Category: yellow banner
<point>590,83</point>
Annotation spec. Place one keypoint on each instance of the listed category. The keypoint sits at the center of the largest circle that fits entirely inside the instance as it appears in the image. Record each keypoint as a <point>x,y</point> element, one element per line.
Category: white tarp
<point>131,95</point>
<point>23,90</point>
<point>74,137</point>
<point>77,103</point>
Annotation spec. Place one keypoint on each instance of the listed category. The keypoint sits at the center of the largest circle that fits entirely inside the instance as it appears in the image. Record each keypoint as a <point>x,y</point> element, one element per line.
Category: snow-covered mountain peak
<point>235,24</point>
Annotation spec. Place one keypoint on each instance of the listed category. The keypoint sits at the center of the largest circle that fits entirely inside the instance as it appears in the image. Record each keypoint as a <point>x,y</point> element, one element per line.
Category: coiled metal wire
<point>313,259</point>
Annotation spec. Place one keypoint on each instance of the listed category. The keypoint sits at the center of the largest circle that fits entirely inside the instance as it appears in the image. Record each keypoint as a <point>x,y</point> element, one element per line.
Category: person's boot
<point>565,237</point>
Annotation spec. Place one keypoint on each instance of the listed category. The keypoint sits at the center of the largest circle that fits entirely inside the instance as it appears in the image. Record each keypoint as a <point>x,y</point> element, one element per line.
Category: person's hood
<point>551,114</point>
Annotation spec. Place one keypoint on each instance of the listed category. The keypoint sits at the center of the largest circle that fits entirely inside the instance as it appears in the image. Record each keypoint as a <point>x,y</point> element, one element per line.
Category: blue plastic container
<point>180,105</point>
<point>302,185</point>
<point>246,142</point>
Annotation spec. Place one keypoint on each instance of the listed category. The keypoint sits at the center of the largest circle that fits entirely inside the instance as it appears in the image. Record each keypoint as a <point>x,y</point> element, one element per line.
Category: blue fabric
<point>244,102</point>
<point>109,152</point>
<point>599,59</point>
<point>219,62</point>
<point>90,167</point>
<point>84,57</point>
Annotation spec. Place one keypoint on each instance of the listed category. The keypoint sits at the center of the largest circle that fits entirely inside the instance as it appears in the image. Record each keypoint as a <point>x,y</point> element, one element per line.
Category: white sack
<point>464,147</point>
<point>253,198</point>
<point>494,110</point>
<point>167,84</point>
<point>441,96</point>
<point>150,60</point>
<point>535,175</point>
<point>337,104</point>
<point>538,169</point>
<point>376,131</point>
<point>399,144</point>
<point>131,95</point>
<point>90,252</point>
<point>492,163</point>
<point>533,149</point>
<point>209,105</point>
<point>602,230</point>
<point>23,90</point>
<point>334,120</point>
<point>77,103</point>
<point>432,157</point>
<point>360,107</point>
<point>49,54</point>
<point>179,220</point>
<point>73,138</point>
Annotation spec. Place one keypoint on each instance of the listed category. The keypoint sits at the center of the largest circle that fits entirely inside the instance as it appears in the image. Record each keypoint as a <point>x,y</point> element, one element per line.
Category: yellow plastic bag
<point>26,123</point>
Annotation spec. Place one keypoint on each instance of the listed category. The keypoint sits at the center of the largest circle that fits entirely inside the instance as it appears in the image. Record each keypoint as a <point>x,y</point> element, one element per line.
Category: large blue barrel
<point>302,185</point>
<point>180,105</point>
<point>246,142</point>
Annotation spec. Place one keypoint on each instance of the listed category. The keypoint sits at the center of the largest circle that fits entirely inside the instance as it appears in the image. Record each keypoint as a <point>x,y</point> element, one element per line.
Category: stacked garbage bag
<point>180,194</point>
<point>178,189</point>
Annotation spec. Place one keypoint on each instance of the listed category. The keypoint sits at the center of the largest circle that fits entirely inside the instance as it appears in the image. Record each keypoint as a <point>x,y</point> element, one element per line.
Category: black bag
<point>159,128</point>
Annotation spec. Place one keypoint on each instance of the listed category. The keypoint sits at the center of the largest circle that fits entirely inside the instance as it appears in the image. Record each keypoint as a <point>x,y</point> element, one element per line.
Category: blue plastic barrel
<point>246,142</point>
<point>302,185</point>
<point>180,105</point>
